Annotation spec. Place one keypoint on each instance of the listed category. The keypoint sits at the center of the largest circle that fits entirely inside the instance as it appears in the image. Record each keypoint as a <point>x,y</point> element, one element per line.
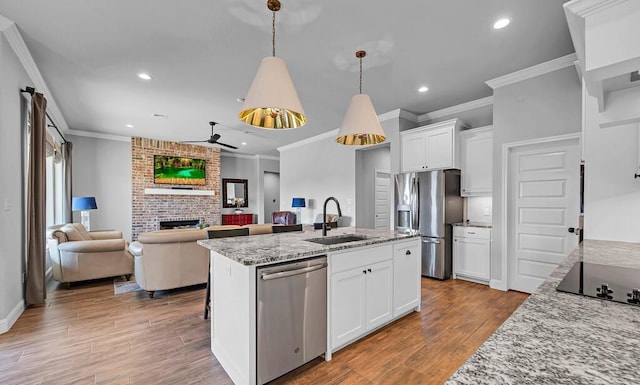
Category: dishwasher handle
<point>289,273</point>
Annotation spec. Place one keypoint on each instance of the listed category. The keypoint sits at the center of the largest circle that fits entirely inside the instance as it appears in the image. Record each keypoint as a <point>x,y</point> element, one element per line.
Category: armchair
<point>79,255</point>
<point>283,217</point>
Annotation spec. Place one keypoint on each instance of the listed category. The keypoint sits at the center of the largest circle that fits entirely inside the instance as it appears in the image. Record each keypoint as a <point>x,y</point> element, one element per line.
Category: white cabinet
<point>370,287</point>
<point>472,253</point>
<point>431,147</point>
<point>406,277</point>
<point>477,161</point>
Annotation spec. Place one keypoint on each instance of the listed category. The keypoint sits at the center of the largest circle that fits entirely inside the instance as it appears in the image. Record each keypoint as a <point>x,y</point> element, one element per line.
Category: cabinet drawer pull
<point>408,252</point>
<point>471,232</point>
<point>368,270</point>
<point>364,271</point>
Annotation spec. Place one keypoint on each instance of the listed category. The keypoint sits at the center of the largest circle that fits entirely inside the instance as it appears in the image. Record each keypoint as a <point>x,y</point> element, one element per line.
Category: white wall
<point>543,106</point>
<point>12,252</point>
<point>102,168</point>
<point>476,117</point>
<point>317,170</point>
<point>612,194</point>
<point>367,163</point>
<point>479,209</point>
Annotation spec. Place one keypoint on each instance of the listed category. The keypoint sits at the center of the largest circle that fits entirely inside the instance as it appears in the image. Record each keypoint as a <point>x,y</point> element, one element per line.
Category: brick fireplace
<point>154,206</point>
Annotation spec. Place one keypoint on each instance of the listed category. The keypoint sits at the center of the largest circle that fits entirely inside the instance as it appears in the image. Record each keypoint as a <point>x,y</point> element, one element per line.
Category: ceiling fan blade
<point>227,145</point>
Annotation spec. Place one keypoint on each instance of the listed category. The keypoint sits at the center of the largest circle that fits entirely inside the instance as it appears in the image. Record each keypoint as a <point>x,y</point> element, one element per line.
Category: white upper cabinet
<point>432,147</point>
<point>477,161</point>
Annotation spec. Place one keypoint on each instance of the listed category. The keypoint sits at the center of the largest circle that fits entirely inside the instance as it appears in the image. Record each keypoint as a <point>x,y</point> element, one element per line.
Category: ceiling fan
<point>212,140</point>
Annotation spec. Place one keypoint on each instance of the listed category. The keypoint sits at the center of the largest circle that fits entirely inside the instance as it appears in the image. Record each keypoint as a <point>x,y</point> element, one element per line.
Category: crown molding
<point>453,110</point>
<point>5,23</point>
<point>586,8</point>
<point>533,71</point>
<point>399,113</point>
<point>21,50</point>
<point>97,135</point>
<point>247,156</point>
<point>313,139</point>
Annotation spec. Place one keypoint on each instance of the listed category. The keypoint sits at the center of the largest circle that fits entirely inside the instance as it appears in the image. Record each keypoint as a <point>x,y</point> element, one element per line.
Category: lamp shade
<point>298,202</point>
<point>83,203</point>
<point>272,101</point>
<point>360,126</point>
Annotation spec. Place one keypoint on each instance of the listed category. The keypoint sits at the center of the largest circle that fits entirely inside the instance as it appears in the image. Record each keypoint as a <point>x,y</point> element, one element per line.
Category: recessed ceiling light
<point>129,125</point>
<point>423,89</point>
<point>244,143</point>
<point>144,76</point>
<point>501,23</point>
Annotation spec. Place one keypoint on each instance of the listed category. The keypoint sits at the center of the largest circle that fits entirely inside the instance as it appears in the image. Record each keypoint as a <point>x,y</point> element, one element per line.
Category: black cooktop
<point>612,283</point>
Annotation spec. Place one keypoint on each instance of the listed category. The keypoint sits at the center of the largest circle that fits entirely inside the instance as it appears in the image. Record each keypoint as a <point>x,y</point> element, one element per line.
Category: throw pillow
<point>74,232</point>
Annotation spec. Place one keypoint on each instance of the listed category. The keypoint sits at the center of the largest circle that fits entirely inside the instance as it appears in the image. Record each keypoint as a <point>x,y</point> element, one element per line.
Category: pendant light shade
<point>360,126</point>
<point>272,100</point>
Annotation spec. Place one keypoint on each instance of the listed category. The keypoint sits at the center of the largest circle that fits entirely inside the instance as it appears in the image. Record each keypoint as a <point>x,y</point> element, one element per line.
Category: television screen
<point>177,170</point>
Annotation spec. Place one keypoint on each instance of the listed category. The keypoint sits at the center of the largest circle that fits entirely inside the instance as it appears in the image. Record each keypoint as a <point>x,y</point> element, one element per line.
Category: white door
<point>379,302</point>
<point>381,209</point>
<point>271,194</point>
<point>543,204</point>
<point>347,306</point>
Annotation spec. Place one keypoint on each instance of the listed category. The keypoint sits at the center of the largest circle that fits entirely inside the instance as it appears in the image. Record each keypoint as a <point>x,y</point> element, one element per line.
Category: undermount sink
<point>337,239</point>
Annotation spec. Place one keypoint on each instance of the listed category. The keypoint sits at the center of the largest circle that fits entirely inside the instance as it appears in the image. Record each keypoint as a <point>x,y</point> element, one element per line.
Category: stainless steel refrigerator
<point>430,202</point>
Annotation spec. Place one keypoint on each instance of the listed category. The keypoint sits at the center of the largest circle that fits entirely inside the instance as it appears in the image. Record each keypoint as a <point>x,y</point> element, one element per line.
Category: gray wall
<point>544,106</point>
<point>252,169</point>
<point>316,171</point>
<point>102,168</point>
<point>367,162</point>
<point>12,252</point>
<point>477,117</point>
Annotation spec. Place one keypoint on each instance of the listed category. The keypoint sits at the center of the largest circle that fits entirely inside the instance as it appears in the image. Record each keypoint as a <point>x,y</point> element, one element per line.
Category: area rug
<point>120,286</point>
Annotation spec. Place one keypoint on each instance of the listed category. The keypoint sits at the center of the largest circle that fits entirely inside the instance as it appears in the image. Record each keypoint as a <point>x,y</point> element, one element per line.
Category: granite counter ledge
<point>273,248</point>
<point>561,338</point>
<point>473,224</point>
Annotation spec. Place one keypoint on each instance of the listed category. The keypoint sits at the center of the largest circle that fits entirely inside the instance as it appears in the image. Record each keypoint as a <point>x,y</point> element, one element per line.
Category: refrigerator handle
<point>415,203</point>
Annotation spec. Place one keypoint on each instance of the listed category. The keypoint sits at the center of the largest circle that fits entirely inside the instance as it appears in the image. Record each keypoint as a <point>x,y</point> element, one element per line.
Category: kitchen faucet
<point>324,214</point>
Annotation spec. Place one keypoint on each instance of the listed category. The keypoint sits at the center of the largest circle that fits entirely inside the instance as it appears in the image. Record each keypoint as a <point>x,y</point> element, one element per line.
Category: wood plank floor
<point>88,335</point>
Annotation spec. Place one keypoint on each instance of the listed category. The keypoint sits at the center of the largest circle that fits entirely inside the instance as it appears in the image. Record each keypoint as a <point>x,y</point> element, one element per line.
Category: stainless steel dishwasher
<point>291,316</point>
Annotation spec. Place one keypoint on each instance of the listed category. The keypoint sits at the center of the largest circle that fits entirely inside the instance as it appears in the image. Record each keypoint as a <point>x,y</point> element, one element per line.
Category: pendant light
<point>272,101</point>
<point>360,126</point>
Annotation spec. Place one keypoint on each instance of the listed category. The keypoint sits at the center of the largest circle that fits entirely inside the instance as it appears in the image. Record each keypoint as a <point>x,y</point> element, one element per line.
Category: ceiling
<point>202,56</point>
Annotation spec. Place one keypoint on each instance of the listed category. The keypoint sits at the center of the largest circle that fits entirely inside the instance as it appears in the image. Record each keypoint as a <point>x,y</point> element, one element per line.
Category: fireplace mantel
<point>170,191</point>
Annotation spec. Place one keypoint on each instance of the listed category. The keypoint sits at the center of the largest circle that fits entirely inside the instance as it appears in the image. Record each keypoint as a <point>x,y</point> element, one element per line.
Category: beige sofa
<point>79,255</point>
<point>169,259</point>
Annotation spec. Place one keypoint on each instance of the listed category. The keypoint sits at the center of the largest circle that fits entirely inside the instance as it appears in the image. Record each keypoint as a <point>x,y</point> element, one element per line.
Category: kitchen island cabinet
<point>361,288</point>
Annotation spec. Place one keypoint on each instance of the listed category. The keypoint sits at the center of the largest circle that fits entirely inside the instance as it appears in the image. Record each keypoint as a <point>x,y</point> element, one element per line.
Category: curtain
<point>67,214</point>
<point>36,290</point>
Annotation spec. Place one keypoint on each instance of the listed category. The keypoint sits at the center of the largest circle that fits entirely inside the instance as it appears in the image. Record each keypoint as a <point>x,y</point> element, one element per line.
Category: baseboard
<point>7,322</point>
<point>498,284</point>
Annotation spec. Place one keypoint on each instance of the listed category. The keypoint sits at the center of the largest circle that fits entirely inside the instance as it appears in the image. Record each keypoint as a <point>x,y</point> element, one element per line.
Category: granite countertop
<point>473,224</point>
<point>269,248</point>
<point>561,338</point>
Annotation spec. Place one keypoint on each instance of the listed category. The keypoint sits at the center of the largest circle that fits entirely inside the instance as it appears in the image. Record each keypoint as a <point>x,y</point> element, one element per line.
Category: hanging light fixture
<point>360,126</point>
<point>272,101</point>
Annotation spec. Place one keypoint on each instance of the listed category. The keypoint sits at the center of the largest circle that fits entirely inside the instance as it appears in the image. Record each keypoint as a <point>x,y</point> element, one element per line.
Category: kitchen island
<point>370,282</point>
<point>561,338</point>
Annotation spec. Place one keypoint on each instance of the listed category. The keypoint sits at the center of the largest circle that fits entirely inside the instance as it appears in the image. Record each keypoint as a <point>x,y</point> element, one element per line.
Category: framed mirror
<point>234,193</point>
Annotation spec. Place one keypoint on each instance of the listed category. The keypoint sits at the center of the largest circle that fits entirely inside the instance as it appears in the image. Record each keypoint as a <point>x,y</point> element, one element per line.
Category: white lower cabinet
<point>407,263</point>
<point>370,287</point>
<point>472,253</point>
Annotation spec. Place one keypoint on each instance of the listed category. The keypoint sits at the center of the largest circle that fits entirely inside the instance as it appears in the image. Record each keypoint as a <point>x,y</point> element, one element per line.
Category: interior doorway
<point>271,194</point>
<point>382,199</point>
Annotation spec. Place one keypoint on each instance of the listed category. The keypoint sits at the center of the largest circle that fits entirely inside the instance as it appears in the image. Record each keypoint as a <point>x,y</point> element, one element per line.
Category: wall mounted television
<point>178,170</point>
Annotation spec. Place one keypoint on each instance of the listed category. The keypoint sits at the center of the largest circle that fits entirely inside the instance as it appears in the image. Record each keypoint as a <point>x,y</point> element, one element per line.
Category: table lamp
<point>84,204</point>
<point>298,203</point>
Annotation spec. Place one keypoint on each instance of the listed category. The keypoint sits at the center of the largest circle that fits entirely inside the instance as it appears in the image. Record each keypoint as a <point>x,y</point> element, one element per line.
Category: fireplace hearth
<point>179,224</point>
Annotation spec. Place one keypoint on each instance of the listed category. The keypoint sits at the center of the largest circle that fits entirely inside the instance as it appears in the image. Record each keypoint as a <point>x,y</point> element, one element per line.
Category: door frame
<point>507,149</point>
<point>390,195</point>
